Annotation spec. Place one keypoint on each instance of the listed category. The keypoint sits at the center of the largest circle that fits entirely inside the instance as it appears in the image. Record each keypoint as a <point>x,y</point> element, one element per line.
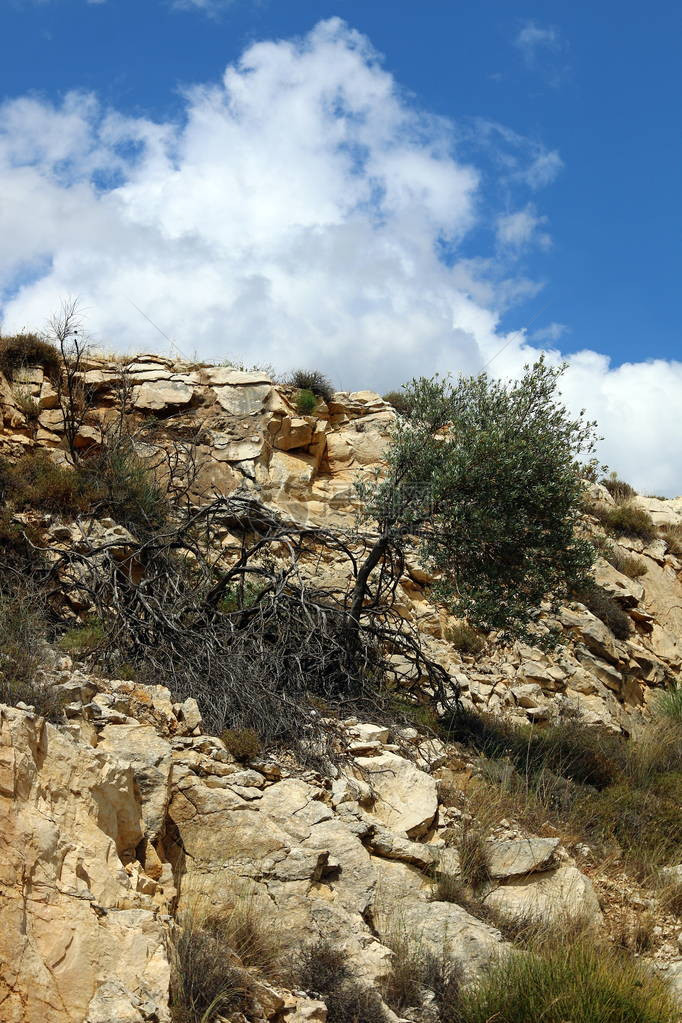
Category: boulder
<point>406,799</point>
<point>520,856</point>
<point>149,756</point>
<point>553,895</point>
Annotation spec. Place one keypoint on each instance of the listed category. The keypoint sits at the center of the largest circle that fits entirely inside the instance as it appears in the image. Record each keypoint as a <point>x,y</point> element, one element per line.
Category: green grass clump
<point>306,402</point>
<point>573,982</point>
<point>81,640</point>
<point>669,704</point>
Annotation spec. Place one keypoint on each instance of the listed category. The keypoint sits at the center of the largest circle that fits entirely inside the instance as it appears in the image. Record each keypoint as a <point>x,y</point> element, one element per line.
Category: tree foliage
<point>485,474</point>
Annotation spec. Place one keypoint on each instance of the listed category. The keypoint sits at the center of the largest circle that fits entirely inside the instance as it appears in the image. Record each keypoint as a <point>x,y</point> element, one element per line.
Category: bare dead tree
<point>66,332</point>
<point>264,637</point>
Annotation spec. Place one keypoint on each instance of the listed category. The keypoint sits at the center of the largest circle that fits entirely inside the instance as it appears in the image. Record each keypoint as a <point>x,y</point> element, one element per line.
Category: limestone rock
<point>519,857</point>
<point>564,892</point>
<point>406,798</point>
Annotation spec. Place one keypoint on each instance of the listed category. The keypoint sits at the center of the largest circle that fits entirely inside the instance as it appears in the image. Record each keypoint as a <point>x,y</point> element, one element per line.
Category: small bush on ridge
<point>673,538</point>
<point>618,489</point>
<point>23,350</point>
<point>627,520</point>
<point>313,380</point>
<point>242,743</point>
<point>400,402</point>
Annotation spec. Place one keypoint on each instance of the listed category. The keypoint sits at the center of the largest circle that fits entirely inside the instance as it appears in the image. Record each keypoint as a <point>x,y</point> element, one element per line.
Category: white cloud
<point>298,214</point>
<point>521,228</point>
<point>552,332</point>
<point>210,7</point>
<point>533,40</point>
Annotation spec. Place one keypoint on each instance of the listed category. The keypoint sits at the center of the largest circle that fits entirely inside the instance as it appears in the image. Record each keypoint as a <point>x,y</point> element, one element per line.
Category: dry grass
<point>628,564</point>
<point>416,971</point>
<point>22,350</point>
<point>217,957</point>
<point>465,638</point>
<point>673,538</point>
<point>626,520</point>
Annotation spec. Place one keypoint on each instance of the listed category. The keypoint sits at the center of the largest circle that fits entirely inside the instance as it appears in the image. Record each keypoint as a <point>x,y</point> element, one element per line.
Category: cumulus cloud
<point>302,212</point>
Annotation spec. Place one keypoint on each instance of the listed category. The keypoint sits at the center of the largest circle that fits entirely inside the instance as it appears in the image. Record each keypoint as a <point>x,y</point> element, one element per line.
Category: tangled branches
<point>257,617</point>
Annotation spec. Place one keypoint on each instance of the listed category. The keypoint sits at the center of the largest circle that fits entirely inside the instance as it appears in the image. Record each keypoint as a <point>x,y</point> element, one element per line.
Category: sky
<point>377,190</point>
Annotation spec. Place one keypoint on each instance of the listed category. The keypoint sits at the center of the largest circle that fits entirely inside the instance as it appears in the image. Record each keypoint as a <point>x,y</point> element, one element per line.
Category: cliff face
<point>124,817</point>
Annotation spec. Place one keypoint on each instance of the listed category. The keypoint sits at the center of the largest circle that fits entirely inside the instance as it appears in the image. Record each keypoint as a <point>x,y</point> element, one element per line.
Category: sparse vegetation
<point>23,631</point>
<point>600,602</point>
<point>314,381</point>
<point>627,520</point>
<point>243,743</point>
<point>306,402</point>
<point>465,638</point>
<point>26,403</point>
<point>23,351</point>
<point>619,490</point>
<point>628,564</point>
<point>673,538</point>
<point>576,981</point>
<point>324,969</point>
<point>217,957</point>
<point>416,972</point>
<point>81,640</point>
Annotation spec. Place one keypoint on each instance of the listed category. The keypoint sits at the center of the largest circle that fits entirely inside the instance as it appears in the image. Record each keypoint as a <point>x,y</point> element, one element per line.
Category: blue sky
<point>542,141</point>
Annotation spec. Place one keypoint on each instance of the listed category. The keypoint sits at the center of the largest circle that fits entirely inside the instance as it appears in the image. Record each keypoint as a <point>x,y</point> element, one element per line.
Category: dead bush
<point>324,969</point>
<point>416,972</point>
<point>605,607</point>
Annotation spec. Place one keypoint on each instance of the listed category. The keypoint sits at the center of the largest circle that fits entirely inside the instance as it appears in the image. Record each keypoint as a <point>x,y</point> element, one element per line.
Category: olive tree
<point>484,475</point>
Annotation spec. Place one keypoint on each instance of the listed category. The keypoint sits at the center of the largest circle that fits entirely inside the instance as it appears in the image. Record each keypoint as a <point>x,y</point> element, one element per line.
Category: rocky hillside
<point>129,835</point>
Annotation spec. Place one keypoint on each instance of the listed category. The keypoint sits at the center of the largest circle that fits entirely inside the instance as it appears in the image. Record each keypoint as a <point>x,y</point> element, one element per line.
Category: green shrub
<point>628,520</point>
<point>400,402</point>
<point>35,481</point>
<point>242,743</point>
<point>313,380</point>
<point>23,350</point>
<point>306,402</point>
<point>324,969</point>
<point>600,602</point>
<point>673,538</point>
<point>124,485</point>
<point>81,640</point>
<point>465,638</point>
<point>619,490</point>
<point>571,981</point>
